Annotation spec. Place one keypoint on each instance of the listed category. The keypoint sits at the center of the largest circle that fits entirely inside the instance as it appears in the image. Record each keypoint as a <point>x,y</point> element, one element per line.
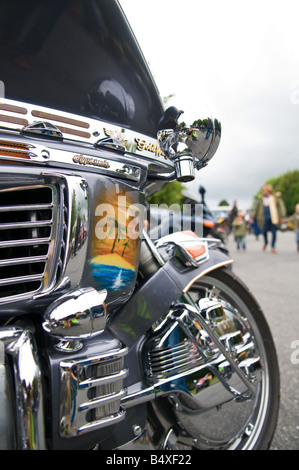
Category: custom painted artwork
<point>116,240</point>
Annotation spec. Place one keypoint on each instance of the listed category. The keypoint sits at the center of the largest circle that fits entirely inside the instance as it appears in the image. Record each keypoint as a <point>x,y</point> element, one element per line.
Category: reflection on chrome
<point>76,316</point>
<point>77,223</point>
<point>188,146</point>
<point>90,392</point>
<point>28,391</point>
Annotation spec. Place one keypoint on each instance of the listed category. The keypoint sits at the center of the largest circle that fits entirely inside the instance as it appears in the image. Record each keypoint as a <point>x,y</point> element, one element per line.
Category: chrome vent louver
<point>14,150</point>
<point>28,223</point>
<point>165,362</point>
<point>91,392</point>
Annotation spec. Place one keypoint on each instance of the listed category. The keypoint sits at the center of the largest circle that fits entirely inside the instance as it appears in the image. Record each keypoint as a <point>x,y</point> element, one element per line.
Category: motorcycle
<point>109,339</point>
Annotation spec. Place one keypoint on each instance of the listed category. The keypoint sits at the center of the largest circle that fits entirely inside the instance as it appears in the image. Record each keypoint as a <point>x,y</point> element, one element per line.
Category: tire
<point>236,425</point>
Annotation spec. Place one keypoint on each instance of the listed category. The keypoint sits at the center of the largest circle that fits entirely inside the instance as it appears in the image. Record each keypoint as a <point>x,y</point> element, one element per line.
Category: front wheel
<point>236,424</point>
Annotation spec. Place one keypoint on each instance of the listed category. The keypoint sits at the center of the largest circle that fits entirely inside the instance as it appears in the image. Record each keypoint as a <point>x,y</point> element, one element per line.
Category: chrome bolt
<point>45,154</point>
<point>137,430</point>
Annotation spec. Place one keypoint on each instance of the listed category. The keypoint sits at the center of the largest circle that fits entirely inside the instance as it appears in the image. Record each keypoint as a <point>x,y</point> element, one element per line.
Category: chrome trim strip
<point>27,207</point>
<point>16,280</point>
<point>206,271</point>
<point>29,241</point>
<point>91,404</point>
<point>104,380</point>
<point>74,261</point>
<point>29,260</point>
<point>103,422</point>
<point>96,130</point>
<point>43,223</point>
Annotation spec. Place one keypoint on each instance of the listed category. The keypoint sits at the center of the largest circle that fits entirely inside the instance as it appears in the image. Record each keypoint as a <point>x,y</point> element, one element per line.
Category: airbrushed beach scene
<point>116,242</point>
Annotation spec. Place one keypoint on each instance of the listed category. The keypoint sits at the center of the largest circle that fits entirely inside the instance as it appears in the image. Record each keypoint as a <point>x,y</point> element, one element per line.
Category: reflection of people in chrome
<point>269,212</point>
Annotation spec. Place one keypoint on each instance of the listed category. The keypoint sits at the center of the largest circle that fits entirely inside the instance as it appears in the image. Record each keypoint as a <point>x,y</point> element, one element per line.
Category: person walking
<point>269,211</point>
<point>232,215</point>
<point>240,230</point>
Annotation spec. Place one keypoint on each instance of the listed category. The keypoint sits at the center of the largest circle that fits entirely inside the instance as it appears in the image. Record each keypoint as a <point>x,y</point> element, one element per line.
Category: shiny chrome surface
<point>213,401</point>
<point>43,235</point>
<point>188,343</point>
<point>75,223</point>
<point>90,393</point>
<point>77,315</point>
<point>193,250</point>
<point>187,358</point>
<point>42,129</point>
<point>17,116</point>
<point>18,150</point>
<point>29,399</point>
<point>7,428</point>
<point>28,229</point>
<point>188,146</point>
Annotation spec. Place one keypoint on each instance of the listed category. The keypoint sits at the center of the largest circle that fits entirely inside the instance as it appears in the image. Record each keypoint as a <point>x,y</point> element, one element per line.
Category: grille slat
<point>16,261</point>
<point>18,280</point>
<point>18,225</point>
<point>32,241</point>
<point>28,222</point>
<point>27,207</point>
<point>165,362</point>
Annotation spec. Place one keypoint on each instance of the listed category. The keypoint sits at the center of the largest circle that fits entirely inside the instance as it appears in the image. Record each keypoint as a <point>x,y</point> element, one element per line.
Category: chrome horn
<point>188,147</point>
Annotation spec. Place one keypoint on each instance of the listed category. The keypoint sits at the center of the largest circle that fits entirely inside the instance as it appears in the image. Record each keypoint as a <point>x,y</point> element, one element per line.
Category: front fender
<point>155,297</point>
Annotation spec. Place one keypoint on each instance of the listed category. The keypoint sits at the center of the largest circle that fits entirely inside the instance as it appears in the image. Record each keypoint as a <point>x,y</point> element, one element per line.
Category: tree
<point>125,245</point>
<point>120,230</point>
<point>223,203</point>
<point>170,194</point>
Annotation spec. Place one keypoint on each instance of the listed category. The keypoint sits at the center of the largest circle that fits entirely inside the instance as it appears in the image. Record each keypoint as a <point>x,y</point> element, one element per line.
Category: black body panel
<point>77,56</point>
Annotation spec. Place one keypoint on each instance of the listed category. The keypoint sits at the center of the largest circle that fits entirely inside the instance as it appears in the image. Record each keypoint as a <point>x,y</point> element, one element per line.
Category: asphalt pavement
<point>273,279</point>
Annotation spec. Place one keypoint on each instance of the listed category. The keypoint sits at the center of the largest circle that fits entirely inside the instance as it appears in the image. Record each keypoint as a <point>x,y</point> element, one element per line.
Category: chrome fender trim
<point>207,270</point>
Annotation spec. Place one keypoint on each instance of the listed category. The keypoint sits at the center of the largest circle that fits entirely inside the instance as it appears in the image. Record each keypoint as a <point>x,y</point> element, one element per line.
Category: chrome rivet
<point>45,154</point>
<point>137,430</point>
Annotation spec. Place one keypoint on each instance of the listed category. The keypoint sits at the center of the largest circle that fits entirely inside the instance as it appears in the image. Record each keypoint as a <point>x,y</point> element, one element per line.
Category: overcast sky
<point>238,61</point>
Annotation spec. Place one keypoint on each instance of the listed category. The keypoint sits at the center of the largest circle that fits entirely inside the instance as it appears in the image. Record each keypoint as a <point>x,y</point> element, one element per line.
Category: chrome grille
<point>28,219</point>
<point>91,392</point>
<point>165,362</point>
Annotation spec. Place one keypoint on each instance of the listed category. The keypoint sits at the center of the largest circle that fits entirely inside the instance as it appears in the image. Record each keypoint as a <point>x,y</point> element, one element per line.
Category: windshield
<point>77,56</point>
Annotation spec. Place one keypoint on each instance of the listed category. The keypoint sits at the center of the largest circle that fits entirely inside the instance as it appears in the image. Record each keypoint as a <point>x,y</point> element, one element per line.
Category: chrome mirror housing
<point>189,147</point>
